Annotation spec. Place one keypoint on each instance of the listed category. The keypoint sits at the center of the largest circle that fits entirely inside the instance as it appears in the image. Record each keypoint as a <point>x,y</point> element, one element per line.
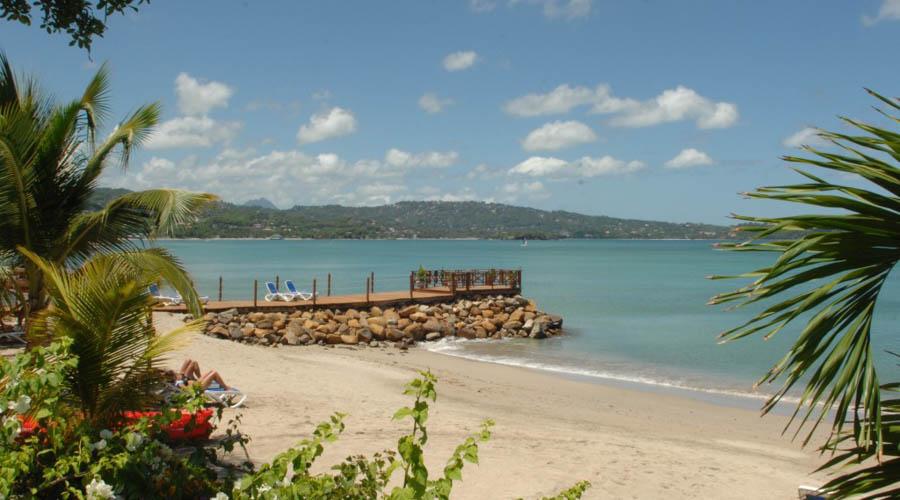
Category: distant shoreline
<point>444,239</point>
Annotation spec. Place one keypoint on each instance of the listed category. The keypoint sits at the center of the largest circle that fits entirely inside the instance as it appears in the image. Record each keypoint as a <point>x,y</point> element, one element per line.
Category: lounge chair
<point>16,335</point>
<point>810,493</point>
<point>294,293</point>
<point>274,295</point>
<point>172,300</point>
<point>168,300</point>
<point>232,398</point>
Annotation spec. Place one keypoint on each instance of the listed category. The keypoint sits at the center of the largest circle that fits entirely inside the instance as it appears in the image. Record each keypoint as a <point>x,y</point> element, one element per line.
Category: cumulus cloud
<point>431,159</point>
<point>689,157</point>
<point>192,131</point>
<point>483,171</point>
<point>458,61</point>
<point>431,103</point>
<point>326,125</point>
<point>540,166</point>
<point>197,98</point>
<point>558,135</point>
<point>680,103</point>
<point>808,136</point>
<point>889,11</point>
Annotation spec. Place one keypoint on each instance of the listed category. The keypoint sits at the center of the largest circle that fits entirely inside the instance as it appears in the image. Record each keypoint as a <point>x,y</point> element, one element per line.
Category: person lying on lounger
<point>190,374</point>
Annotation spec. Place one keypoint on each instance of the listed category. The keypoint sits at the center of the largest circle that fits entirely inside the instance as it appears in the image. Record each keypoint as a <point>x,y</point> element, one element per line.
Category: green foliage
<point>423,219</point>
<point>68,455</point>
<point>82,20</point>
<point>833,273</point>
<point>51,158</point>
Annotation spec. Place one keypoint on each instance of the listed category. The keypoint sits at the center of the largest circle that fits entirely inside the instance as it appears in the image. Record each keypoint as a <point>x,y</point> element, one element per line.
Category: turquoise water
<point>634,310</point>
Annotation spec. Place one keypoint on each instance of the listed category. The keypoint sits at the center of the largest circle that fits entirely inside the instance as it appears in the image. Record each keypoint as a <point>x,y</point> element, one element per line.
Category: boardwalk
<point>422,296</point>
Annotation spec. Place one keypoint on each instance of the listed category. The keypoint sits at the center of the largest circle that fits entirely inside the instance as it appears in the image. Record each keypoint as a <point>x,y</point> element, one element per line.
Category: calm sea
<point>635,311</point>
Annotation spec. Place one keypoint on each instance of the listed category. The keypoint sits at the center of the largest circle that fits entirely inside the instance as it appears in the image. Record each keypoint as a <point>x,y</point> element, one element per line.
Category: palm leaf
<point>832,272</point>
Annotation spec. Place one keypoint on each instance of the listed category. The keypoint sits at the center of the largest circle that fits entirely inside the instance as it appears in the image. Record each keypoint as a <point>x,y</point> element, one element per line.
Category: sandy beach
<point>550,431</point>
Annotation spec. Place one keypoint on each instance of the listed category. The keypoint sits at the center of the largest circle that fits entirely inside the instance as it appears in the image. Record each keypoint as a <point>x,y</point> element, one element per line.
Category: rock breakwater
<point>494,317</point>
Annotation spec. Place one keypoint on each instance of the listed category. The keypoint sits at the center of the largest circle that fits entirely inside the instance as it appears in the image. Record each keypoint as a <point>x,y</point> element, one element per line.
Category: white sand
<point>550,431</point>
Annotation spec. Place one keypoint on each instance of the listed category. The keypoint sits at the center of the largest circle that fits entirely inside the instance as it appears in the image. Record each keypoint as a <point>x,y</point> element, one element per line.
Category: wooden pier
<point>424,287</point>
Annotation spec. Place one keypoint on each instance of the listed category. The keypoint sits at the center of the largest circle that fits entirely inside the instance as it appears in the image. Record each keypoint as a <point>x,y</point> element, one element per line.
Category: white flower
<point>220,496</point>
<point>134,441</point>
<point>106,434</point>
<point>99,490</point>
<point>237,484</point>
<point>99,445</point>
<point>263,488</point>
<point>23,404</point>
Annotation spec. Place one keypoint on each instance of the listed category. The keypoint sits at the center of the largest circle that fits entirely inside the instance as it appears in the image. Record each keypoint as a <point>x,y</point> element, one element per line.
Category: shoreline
<point>550,431</point>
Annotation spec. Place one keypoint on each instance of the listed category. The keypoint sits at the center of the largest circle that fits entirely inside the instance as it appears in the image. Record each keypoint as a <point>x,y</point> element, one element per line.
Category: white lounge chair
<point>168,300</point>
<point>172,300</point>
<point>294,294</point>
<point>232,398</point>
<point>16,335</point>
<point>274,295</point>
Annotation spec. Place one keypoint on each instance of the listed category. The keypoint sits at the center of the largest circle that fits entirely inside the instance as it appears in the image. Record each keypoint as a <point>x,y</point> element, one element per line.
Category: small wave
<point>457,348</point>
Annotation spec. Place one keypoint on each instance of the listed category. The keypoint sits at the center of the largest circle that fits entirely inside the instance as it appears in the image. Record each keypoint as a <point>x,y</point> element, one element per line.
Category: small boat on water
<point>524,242</point>
<point>276,237</point>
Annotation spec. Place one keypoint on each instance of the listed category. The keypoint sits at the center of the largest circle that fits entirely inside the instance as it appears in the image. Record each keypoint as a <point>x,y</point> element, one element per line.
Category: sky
<point>652,109</point>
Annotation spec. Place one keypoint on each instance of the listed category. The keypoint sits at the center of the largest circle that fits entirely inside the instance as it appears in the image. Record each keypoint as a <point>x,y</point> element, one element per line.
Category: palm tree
<point>832,267</point>
<point>50,163</point>
<point>102,307</point>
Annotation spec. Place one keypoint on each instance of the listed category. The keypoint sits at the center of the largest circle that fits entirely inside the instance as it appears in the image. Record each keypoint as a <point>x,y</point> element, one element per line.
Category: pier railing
<point>465,279</point>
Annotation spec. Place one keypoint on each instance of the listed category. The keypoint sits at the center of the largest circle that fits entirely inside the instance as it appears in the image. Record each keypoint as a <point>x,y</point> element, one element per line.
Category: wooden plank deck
<point>380,299</point>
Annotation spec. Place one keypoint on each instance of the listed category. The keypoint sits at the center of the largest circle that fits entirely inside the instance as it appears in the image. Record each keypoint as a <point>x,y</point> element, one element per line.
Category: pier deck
<point>380,299</point>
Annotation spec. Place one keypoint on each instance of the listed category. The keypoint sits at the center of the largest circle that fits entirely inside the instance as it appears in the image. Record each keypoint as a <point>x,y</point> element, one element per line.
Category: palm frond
<point>104,307</point>
<point>832,273</point>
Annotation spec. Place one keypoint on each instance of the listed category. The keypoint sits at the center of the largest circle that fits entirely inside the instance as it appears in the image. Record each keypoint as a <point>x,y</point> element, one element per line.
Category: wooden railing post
<point>220,289</point>
<point>412,281</point>
<point>367,289</point>
<point>255,292</point>
<point>372,282</point>
<point>329,284</point>
<point>314,290</point>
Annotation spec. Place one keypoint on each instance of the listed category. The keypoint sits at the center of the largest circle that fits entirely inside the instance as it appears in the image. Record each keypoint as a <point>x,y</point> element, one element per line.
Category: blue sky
<point>644,109</point>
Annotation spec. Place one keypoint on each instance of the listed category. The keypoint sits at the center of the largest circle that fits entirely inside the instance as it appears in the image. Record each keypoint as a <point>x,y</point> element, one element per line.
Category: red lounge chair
<point>181,429</point>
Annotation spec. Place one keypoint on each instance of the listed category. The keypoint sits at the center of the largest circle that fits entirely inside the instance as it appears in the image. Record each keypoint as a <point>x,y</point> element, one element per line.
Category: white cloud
<point>558,135</point>
<point>431,159</point>
<point>332,123</point>
<point>805,137</point>
<point>192,131</point>
<point>431,103</point>
<point>540,166</point>
<point>689,157</point>
<point>680,103</point>
<point>889,11</point>
<point>483,171</point>
<point>459,61</point>
<point>560,9</point>
<point>197,98</point>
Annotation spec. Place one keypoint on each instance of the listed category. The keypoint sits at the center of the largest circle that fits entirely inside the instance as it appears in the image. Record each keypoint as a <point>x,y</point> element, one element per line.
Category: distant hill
<point>260,203</point>
<point>427,219</point>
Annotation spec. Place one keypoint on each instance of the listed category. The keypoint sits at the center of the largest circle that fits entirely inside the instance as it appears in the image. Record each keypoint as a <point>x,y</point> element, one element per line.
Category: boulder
<point>352,313</point>
<point>413,330</point>
<point>432,325</point>
<point>333,338</point>
<point>407,311</point>
<point>290,338</point>
<point>365,335</point>
<point>375,311</point>
<point>537,331</point>
<point>353,323</point>
<point>466,333</point>
<point>377,330</point>
<point>235,332</point>
<point>278,324</point>
<point>487,313</point>
<point>480,333</point>
<point>403,323</point>
<point>220,331</point>
<point>261,332</point>
<point>227,316</point>
<point>395,335</point>
<point>350,339</point>
<point>265,324</point>
<point>512,325</point>
<point>310,324</point>
<point>419,317</point>
<point>488,326</point>
<point>247,330</point>
<point>433,336</point>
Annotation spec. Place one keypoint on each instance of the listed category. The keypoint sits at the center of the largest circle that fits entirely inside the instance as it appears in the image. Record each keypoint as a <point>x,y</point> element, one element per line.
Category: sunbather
<point>190,374</point>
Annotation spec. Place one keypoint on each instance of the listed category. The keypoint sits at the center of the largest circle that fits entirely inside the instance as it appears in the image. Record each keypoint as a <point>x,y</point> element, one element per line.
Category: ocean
<point>635,311</point>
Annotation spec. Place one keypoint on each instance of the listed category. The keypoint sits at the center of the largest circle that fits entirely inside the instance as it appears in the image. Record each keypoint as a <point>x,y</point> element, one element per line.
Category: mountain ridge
<point>424,219</point>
